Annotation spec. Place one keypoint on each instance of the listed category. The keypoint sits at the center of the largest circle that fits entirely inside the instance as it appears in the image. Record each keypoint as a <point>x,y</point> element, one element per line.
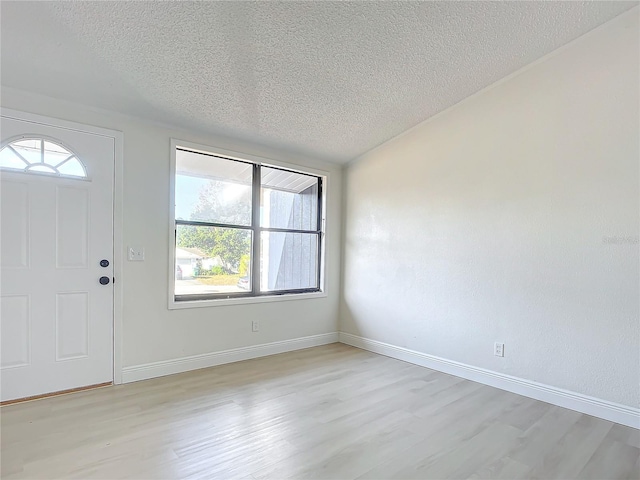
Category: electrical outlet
<point>498,349</point>
<point>255,326</point>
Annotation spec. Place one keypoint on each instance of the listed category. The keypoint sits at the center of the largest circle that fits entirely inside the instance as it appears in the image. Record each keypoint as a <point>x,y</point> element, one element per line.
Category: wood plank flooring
<point>326,412</point>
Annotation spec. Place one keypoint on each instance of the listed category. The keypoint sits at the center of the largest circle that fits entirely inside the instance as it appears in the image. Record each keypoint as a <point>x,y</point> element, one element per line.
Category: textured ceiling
<point>331,80</point>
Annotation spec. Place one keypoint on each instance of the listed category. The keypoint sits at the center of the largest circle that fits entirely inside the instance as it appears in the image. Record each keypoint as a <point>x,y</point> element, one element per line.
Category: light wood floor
<point>326,412</point>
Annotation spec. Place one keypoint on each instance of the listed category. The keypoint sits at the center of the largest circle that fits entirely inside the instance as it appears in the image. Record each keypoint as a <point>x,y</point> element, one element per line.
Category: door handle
<point>104,280</point>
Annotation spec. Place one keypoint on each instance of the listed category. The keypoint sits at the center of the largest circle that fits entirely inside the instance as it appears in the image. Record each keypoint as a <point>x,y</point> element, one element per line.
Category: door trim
<point>118,246</point>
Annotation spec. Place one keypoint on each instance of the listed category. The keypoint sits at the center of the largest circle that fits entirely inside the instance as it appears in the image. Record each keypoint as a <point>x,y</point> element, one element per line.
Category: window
<point>41,156</point>
<point>244,229</point>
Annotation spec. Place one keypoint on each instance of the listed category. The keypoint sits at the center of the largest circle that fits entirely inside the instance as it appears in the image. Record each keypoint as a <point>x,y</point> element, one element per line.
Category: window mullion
<point>319,209</point>
<point>320,227</point>
<point>255,225</point>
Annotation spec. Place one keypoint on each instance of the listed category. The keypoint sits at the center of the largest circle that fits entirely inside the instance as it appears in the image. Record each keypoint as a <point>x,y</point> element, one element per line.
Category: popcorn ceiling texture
<point>323,79</point>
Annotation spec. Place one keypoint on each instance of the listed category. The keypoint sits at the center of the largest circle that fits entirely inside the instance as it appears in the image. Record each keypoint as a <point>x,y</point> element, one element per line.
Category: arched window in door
<point>41,156</point>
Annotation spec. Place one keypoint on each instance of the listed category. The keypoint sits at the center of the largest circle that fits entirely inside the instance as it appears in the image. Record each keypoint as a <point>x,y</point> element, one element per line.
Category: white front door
<point>56,243</point>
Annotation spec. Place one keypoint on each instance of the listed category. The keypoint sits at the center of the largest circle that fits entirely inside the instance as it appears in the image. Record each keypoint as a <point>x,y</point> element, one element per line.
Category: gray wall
<point>297,258</point>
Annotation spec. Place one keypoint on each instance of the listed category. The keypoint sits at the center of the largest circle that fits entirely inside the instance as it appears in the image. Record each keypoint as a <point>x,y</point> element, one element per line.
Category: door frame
<point>118,208</point>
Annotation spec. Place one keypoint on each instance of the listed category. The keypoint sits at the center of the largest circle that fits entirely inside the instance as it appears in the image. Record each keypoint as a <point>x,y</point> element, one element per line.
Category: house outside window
<point>243,228</point>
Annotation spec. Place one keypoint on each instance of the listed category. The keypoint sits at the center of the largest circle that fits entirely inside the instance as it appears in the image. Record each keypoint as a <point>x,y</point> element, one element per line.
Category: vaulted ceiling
<point>326,79</point>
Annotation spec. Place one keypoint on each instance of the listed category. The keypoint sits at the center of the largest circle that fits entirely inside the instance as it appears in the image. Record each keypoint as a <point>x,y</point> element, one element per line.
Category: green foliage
<point>215,270</point>
<point>229,245</point>
<point>225,243</point>
<point>243,269</point>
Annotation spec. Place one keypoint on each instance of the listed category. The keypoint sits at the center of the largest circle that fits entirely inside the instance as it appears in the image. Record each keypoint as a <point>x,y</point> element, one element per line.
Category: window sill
<point>223,302</point>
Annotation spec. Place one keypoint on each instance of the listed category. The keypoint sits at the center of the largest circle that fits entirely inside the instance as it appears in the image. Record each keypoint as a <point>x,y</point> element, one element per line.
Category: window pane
<point>29,143</point>
<point>55,154</point>
<point>8,159</point>
<point>288,200</point>
<point>30,150</point>
<point>212,189</point>
<point>54,148</point>
<point>212,260</point>
<point>72,167</point>
<point>289,261</point>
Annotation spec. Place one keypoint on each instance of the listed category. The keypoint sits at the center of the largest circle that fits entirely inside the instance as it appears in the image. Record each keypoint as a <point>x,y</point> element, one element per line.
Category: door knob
<point>104,280</point>
<point>104,263</point>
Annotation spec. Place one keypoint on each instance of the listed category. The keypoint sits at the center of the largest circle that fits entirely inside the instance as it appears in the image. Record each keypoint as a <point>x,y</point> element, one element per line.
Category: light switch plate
<point>136,254</point>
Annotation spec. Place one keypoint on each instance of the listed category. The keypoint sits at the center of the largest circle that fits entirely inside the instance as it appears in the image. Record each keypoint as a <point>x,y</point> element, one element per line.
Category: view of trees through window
<point>229,245</point>
<point>215,231</point>
<point>214,259</point>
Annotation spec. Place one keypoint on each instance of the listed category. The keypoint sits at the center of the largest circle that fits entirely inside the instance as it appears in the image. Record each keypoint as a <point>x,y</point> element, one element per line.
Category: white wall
<point>151,332</point>
<point>512,217</point>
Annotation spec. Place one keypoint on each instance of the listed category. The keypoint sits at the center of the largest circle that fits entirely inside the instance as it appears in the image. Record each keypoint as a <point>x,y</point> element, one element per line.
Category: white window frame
<point>267,162</point>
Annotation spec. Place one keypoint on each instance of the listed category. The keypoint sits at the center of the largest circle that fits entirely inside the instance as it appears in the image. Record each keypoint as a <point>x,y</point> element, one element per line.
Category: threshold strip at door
<point>55,394</point>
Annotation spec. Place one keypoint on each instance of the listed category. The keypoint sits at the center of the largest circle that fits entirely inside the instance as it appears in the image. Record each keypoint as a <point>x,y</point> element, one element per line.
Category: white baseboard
<point>185,364</point>
<point>614,412</point>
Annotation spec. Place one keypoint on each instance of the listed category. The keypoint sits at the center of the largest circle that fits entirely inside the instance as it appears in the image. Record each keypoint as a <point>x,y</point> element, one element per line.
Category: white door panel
<point>56,318</point>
